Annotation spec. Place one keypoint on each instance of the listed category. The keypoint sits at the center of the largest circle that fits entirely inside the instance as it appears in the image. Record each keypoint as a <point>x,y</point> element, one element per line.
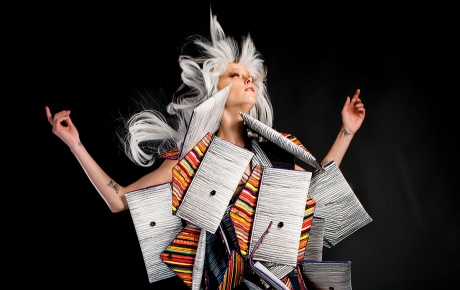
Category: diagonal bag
<point>155,226</point>
<point>205,179</point>
<point>337,204</point>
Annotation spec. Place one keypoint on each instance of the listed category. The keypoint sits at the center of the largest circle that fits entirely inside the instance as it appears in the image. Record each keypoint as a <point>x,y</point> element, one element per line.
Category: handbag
<point>200,193</point>
<point>337,204</point>
<point>288,247</point>
<point>319,275</point>
<point>282,200</point>
<point>155,226</point>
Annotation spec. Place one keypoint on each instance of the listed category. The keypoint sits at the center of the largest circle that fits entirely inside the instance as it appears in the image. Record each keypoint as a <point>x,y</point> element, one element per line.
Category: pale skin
<point>241,98</point>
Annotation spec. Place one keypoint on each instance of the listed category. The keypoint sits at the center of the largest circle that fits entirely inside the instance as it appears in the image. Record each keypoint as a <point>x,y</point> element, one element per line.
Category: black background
<point>98,60</point>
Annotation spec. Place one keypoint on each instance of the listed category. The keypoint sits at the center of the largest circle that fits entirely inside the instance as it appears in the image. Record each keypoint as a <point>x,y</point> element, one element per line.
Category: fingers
<point>356,100</point>
<point>356,97</point>
<point>358,91</point>
<point>48,115</point>
<point>58,118</point>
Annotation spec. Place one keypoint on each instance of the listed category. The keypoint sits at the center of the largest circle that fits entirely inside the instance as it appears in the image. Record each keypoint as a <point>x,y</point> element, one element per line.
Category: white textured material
<point>251,285</point>
<point>155,226</point>
<point>268,276</point>
<point>214,183</point>
<point>320,275</point>
<point>205,118</point>
<point>279,270</point>
<point>337,204</point>
<point>282,198</point>
<point>314,248</point>
<point>280,140</point>
<point>198,266</point>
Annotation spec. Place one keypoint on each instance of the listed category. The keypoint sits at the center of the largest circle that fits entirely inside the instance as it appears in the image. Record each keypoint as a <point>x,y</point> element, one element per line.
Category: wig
<point>149,133</point>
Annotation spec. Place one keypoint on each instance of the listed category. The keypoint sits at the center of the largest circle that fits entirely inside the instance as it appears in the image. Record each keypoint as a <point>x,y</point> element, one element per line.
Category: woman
<point>223,63</point>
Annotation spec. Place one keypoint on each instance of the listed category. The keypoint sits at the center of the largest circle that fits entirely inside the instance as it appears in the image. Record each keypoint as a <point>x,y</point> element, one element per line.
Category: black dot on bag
<point>153,224</point>
<point>213,192</point>
<point>280,224</point>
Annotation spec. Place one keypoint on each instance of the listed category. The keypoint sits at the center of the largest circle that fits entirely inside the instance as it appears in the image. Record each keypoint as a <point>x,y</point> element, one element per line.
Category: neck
<point>231,130</point>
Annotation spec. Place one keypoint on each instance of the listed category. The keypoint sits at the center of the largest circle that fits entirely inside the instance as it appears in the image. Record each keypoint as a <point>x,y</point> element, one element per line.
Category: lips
<point>251,88</point>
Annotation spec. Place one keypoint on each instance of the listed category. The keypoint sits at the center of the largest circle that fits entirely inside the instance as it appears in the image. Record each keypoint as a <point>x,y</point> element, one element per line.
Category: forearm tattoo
<point>113,185</point>
<point>346,132</point>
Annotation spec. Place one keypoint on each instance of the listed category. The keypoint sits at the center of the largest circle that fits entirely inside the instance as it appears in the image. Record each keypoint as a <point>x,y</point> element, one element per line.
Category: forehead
<point>236,67</point>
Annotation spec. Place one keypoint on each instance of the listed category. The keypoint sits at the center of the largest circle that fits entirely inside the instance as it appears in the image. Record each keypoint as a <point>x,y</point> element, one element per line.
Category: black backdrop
<point>96,61</point>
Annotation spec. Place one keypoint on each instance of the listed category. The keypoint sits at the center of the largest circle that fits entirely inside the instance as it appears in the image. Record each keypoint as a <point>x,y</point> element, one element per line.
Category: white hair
<point>149,134</point>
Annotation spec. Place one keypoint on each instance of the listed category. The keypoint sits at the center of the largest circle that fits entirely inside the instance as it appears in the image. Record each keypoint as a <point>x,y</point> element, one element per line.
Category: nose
<point>248,80</point>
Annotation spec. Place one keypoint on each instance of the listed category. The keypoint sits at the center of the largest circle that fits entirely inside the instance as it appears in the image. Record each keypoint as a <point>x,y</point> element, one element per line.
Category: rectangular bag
<point>320,275</point>
<point>337,204</point>
<point>155,226</point>
<point>205,179</point>
<point>282,200</point>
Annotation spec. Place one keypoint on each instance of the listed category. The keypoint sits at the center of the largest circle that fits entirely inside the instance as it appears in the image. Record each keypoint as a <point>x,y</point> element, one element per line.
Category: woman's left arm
<point>353,114</point>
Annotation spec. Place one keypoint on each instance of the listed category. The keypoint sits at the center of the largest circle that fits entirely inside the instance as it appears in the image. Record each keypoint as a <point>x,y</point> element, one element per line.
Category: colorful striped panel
<point>234,274</point>
<point>306,226</point>
<point>287,281</point>
<point>302,285</point>
<point>181,252</point>
<point>243,210</point>
<point>186,168</point>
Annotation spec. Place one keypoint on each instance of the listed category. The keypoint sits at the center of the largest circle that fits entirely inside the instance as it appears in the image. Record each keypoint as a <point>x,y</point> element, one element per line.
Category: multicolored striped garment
<point>233,275</point>
<point>243,210</point>
<point>186,168</point>
<point>306,227</point>
<point>180,254</point>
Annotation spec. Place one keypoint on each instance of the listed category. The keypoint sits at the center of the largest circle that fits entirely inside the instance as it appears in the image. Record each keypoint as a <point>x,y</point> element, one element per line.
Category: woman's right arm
<point>112,193</point>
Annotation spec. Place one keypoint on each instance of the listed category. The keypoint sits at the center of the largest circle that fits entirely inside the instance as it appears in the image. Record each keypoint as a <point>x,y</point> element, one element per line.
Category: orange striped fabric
<point>306,227</point>
<point>185,169</point>
<point>233,276</point>
<point>172,154</point>
<point>300,279</point>
<point>243,210</point>
<point>294,140</point>
<point>287,281</point>
<point>181,252</point>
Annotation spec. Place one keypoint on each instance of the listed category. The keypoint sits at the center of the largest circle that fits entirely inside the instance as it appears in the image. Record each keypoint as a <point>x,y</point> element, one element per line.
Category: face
<point>242,95</point>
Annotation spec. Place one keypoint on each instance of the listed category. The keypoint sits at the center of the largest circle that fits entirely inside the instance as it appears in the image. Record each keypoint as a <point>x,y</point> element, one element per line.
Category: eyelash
<point>234,74</point>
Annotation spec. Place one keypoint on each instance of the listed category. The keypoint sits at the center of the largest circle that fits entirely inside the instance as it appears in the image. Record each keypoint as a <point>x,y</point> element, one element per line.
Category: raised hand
<point>353,113</point>
<point>63,127</point>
